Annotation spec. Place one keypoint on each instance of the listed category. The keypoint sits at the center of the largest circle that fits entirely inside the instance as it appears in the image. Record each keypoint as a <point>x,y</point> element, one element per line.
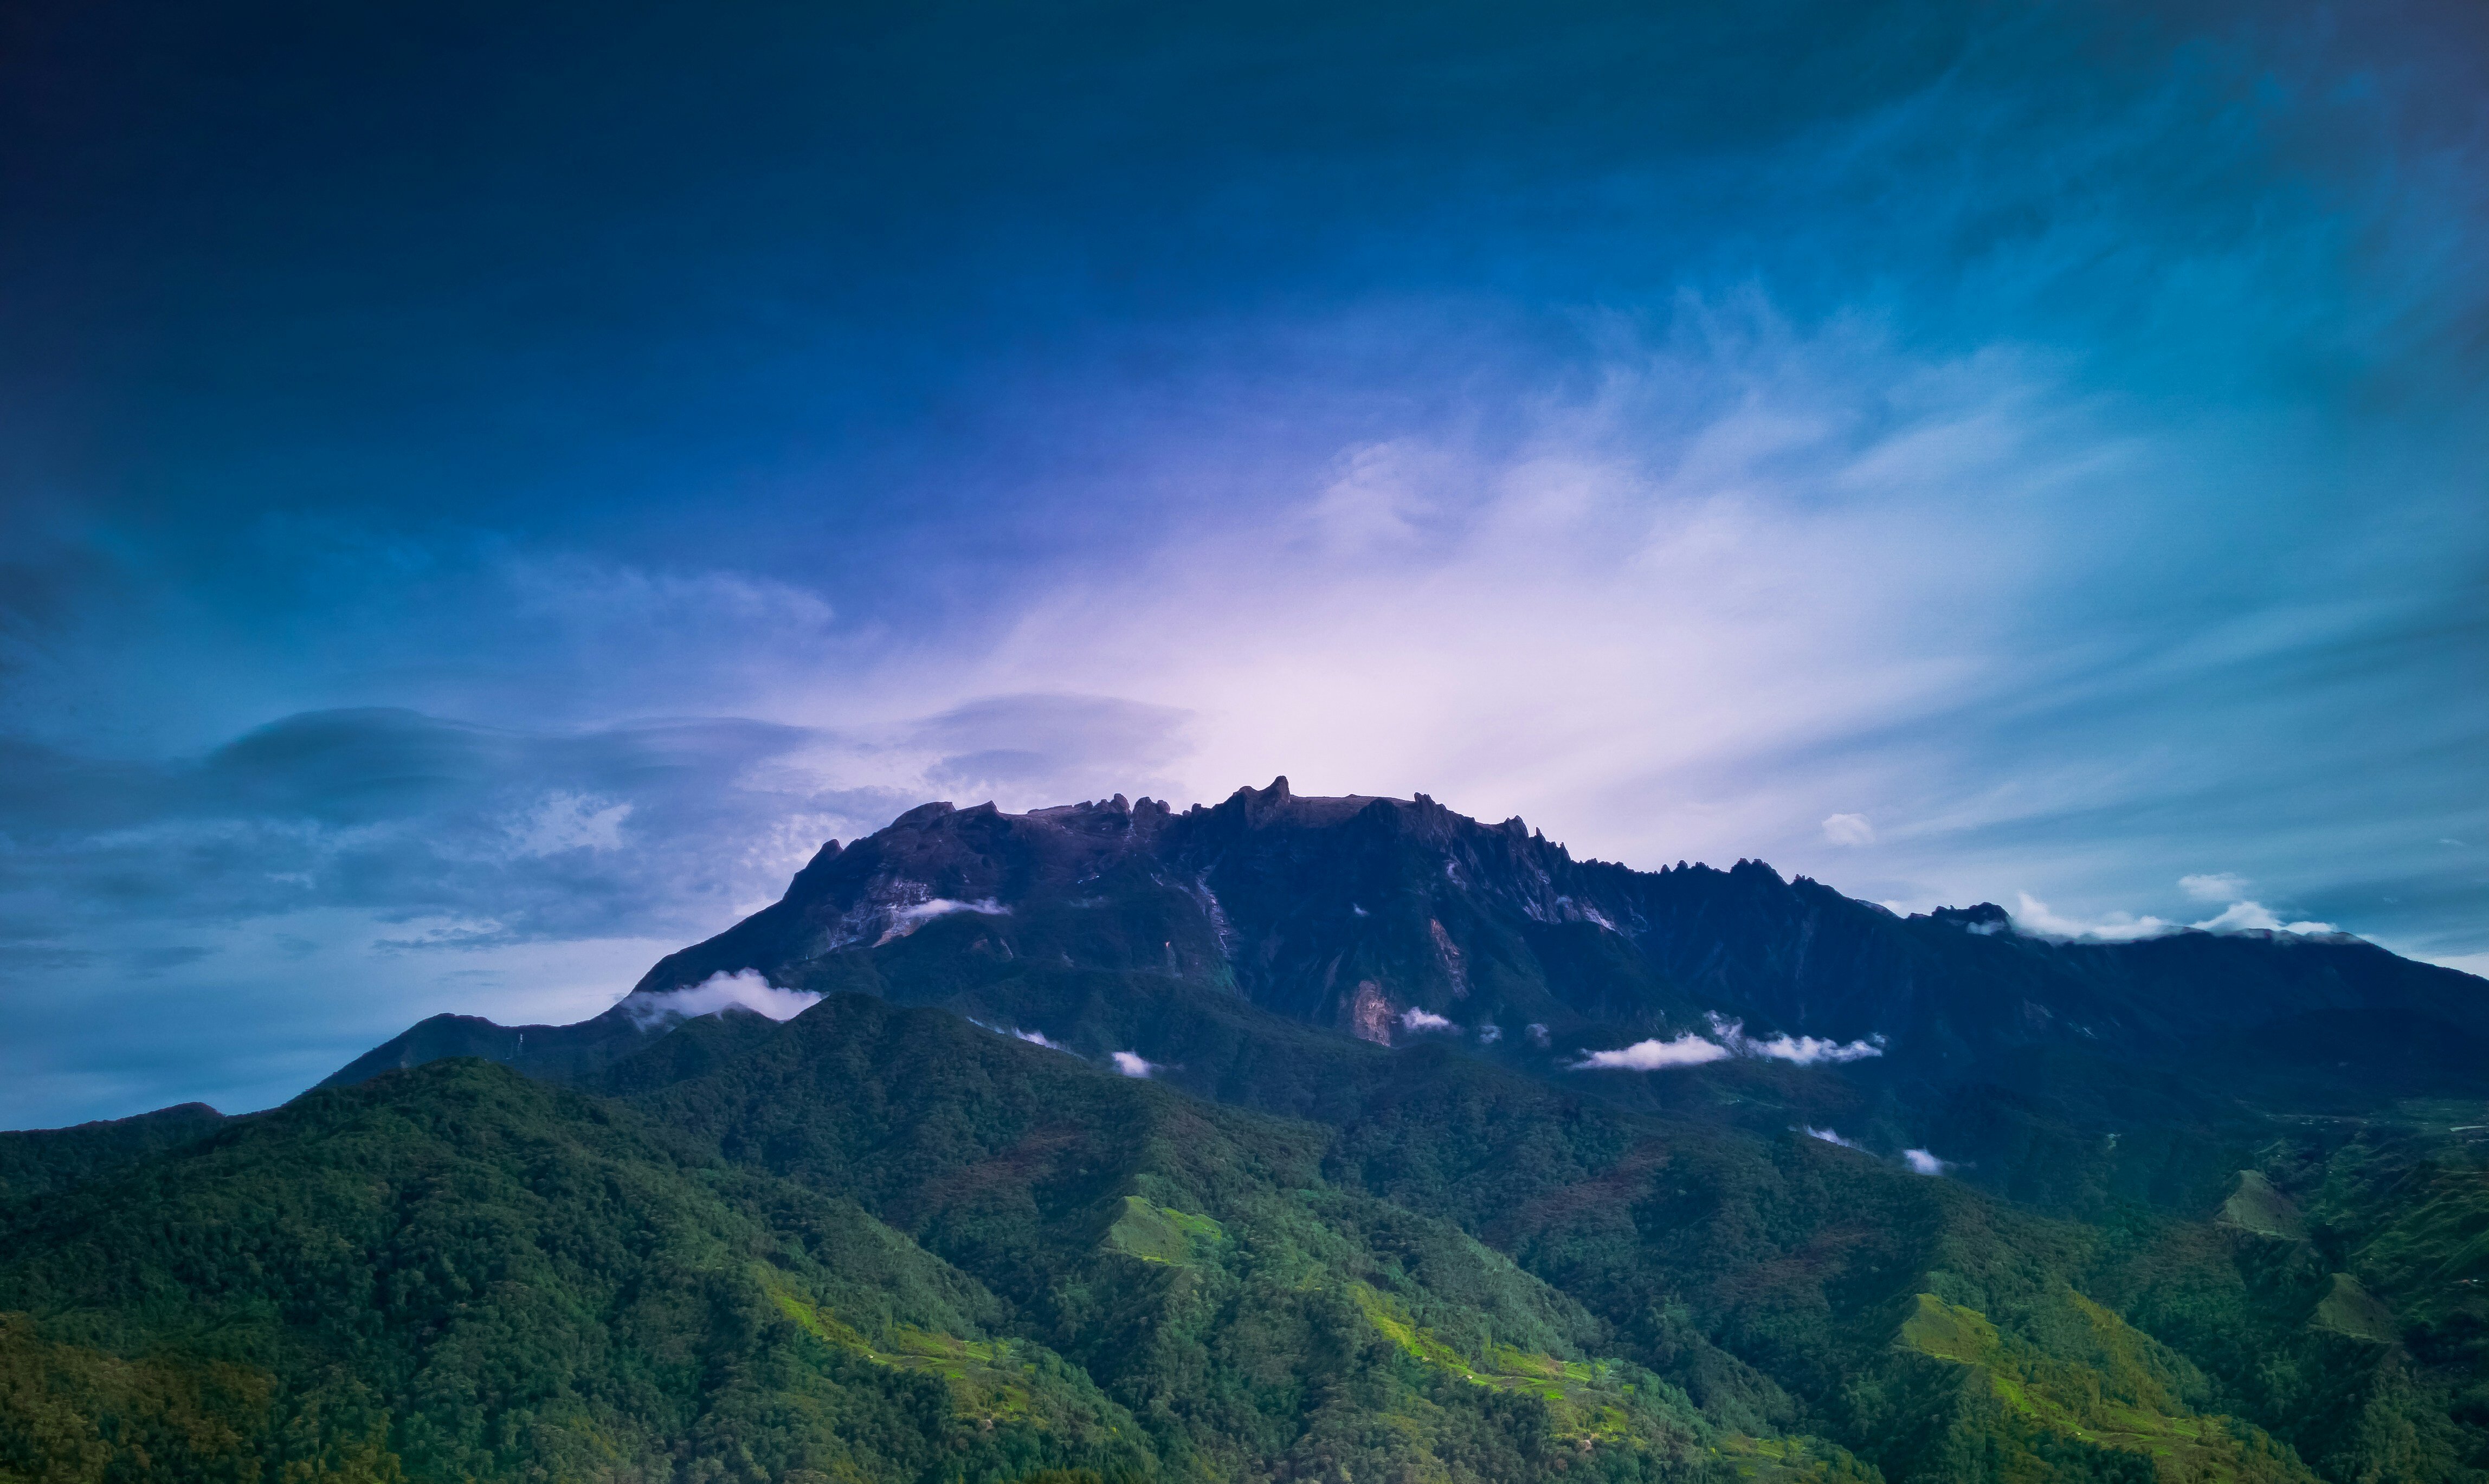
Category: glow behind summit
<point>485,493</point>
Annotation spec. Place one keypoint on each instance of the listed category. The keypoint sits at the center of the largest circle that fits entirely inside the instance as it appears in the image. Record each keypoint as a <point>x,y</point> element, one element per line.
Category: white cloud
<point>1376,500</point>
<point>907,918</point>
<point>1829,1136</point>
<point>1805,1050</point>
<point>1131,1064</point>
<point>745,988</point>
<point>1686,1051</point>
<point>1037,1039</point>
<point>1490,1034</point>
<point>1418,1020</point>
<point>1692,1050</point>
<point>1921,1162</point>
<point>1848,830</point>
<point>1758,494</point>
<point>2256,916</point>
<point>2034,918</point>
<point>2218,886</point>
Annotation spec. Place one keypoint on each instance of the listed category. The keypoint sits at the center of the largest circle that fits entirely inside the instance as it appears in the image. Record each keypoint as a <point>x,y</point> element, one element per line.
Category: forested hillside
<point>1076,1165</point>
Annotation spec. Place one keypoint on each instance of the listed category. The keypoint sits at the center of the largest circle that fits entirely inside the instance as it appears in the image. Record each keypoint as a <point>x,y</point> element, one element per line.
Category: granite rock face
<point>1213,945</point>
<point>1352,913</point>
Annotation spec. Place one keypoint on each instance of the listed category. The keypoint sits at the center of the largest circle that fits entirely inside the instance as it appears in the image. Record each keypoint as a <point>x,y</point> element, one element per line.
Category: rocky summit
<point>1309,1139</point>
<point>1400,923</point>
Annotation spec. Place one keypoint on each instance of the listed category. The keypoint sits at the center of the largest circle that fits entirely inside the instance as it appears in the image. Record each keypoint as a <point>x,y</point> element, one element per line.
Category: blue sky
<point>483,494</point>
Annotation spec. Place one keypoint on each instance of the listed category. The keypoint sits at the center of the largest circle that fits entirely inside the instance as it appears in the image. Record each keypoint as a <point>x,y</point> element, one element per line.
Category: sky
<point>485,490</point>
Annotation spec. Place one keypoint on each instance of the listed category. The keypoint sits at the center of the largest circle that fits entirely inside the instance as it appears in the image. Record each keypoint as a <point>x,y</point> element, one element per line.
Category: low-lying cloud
<point>1688,1049</point>
<point>744,990</point>
<point>2034,918</point>
<point>1418,1020</point>
<point>2256,916</point>
<point>1921,1162</point>
<point>1805,1050</point>
<point>1132,1064</point>
<point>907,918</point>
<point>1654,1055</point>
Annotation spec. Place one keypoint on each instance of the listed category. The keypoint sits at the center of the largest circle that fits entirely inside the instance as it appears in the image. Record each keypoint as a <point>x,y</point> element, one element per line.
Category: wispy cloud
<point>2034,917</point>
<point>744,990</point>
<point>1805,1050</point>
<point>904,919</point>
<point>2241,916</point>
<point>2220,886</point>
<point>1654,1055</point>
<point>1687,1050</point>
<point>2256,916</point>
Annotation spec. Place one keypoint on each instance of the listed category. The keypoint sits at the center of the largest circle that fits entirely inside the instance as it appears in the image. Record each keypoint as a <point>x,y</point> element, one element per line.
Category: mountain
<point>1350,913</point>
<point>2017,1057</point>
<point>1309,1139</point>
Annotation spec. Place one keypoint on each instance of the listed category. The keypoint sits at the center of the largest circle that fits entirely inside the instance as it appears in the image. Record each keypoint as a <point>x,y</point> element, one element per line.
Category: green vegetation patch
<point>1949,1332</point>
<point>2349,1309</point>
<point>1793,1461</point>
<point>2257,1207</point>
<point>1584,1398</point>
<point>2117,1402</point>
<point>990,1379</point>
<point>1161,1234</point>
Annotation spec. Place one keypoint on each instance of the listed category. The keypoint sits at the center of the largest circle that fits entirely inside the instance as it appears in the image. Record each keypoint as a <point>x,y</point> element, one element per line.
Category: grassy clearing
<point>1161,1234</point>
<point>1585,1397</point>
<point>2255,1206</point>
<point>989,1381</point>
<point>2118,1403</point>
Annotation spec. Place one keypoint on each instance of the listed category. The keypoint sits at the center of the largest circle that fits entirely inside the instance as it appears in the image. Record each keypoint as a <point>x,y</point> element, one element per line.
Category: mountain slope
<point>453,1273</point>
<point>1352,913</point>
<point>34,1160</point>
<point>457,1274</point>
<point>1063,1190</point>
<point>1275,1141</point>
<point>1324,959</point>
<point>2067,1075</point>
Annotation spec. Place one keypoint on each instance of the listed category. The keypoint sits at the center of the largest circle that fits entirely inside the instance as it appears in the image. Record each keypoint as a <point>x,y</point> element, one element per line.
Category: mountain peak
<point>1400,920</point>
<point>1981,917</point>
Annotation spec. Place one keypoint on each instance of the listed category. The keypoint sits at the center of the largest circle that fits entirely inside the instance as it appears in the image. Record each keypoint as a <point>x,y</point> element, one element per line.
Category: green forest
<point>881,1243</point>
